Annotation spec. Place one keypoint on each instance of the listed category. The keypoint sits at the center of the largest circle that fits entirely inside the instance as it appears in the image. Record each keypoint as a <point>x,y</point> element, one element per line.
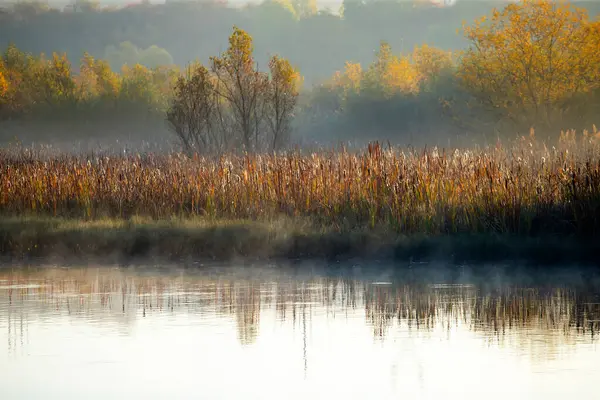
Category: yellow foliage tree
<point>96,81</point>
<point>241,85</point>
<point>401,76</point>
<point>375,76</point>
<point>532,60</point>
<point>350,81</point>
<point>164,79</point>
<point>281,97</point>
<point>16,67</point>
<point>3,84</point>
<point>31,84</point>
<point>86,80</point>
<point>52,82</point>
<point>389,75</point>
<point>3,89</point>
<point>431,63</point>
<point>107,81</point>
<point>136,84</point>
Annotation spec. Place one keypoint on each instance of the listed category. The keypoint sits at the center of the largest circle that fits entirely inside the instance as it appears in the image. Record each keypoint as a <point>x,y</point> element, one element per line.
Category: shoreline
<point>34,240</point>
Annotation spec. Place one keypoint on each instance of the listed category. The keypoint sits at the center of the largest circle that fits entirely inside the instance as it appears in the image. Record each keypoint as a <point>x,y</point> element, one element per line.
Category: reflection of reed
<point>509,316</point>
<point>247,312</point>
<point>521,318</point>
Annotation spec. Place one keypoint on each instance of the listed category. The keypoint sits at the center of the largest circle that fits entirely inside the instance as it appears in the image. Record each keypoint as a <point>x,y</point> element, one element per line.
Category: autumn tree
<point>39,83</point>
<point>3,83</point>
<point>281,99</point>
<point>18,67</point>
<point>48,88</point>
<point>36,83</point>
<point>401,77</point>
<point>241,86</point>
<point>97,80</point>
<point>143,88</point>
<point>375,76</point>
<point>349,82</point>
<point>3,89</point>
<point>431,65</point>
<point>531,61</point>
<point>194,111</point>
<point>400,96</point>
<point>390,74</point>
<point>233,100</point>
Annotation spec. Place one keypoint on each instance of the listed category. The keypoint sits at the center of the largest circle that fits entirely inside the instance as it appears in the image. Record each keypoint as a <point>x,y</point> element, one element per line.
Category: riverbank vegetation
<point>532,71</point>
<point>525,189</point>
<point>43,240</point>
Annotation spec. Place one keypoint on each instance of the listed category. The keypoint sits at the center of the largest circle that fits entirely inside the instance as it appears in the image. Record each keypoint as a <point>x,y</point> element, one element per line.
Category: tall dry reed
<point>524,188</point>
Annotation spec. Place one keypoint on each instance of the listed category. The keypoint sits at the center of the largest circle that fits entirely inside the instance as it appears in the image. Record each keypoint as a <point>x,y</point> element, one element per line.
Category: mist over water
<point>226,333</point>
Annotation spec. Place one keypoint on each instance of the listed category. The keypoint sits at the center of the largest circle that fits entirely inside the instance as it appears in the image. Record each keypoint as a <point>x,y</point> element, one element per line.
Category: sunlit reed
<point>524,188</point>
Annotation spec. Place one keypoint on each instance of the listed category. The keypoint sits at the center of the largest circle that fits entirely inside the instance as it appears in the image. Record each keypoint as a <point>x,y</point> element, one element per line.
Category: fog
<point>316,41</point>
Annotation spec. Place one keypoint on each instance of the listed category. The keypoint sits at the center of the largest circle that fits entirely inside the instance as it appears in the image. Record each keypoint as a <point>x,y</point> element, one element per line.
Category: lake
<point>297,332</point>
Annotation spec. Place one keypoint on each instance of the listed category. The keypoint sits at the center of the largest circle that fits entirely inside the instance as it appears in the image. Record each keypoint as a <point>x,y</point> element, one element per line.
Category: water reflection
<point>540,324</point>
<point>116,298</point>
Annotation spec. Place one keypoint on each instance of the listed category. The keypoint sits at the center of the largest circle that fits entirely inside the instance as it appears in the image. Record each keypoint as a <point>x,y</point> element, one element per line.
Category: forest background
<point>402,72</point>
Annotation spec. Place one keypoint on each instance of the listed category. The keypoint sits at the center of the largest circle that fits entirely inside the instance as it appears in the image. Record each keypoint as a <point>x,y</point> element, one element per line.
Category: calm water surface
<point>109,333</point>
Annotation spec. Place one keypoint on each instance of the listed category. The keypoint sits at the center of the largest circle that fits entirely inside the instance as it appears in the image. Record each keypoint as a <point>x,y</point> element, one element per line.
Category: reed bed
<point>524,188</point>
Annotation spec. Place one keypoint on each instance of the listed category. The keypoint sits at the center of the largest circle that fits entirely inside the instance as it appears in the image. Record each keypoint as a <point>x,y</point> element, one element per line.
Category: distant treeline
<point>318,43</point>
<point>533,64</point>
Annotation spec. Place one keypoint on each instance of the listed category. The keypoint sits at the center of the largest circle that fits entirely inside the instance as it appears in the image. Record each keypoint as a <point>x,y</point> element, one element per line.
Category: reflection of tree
<point>509,316</point>
<point>247,312</point>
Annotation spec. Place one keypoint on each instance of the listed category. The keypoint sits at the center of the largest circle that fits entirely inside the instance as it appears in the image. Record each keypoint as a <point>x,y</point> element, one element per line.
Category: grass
<point>523,201</point>
<point>143,240</point>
